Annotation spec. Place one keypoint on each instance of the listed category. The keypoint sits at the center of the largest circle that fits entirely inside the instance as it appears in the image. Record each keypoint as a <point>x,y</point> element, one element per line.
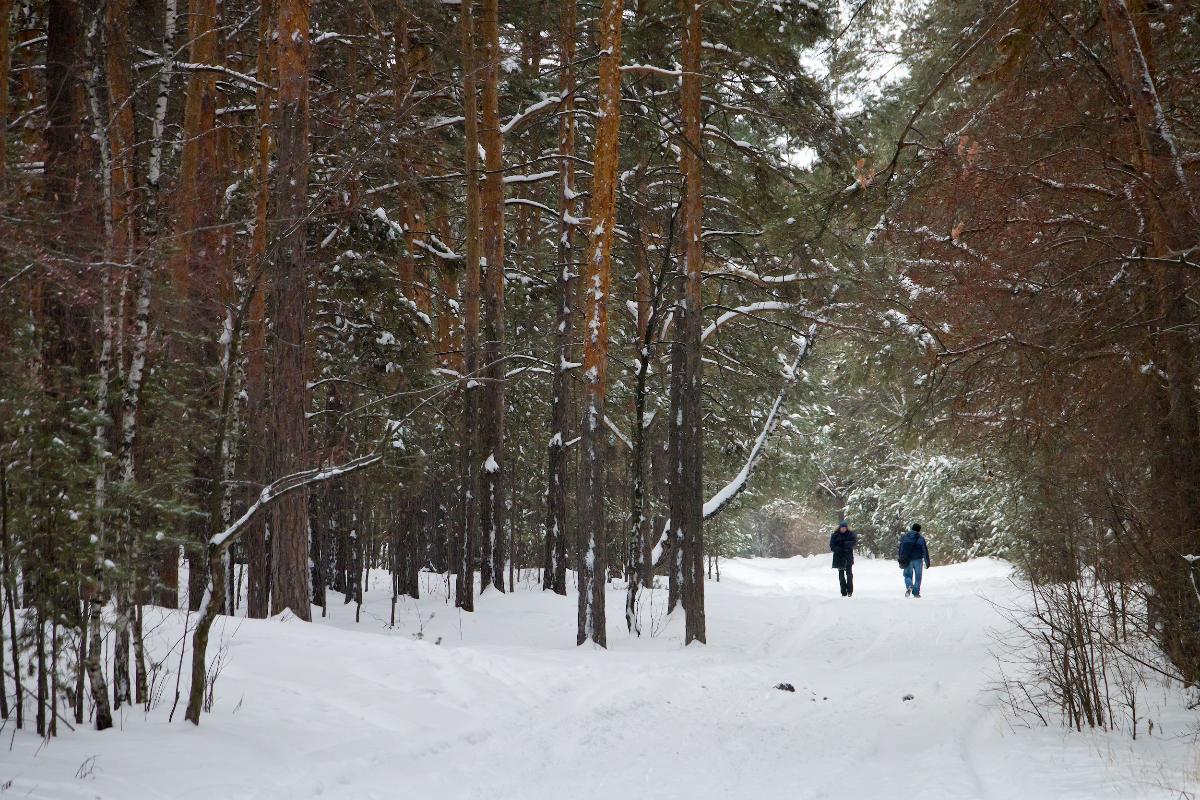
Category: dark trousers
<point>846,579</point>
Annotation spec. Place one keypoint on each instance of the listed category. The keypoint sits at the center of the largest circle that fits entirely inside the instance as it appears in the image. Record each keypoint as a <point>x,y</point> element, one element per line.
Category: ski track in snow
<point>506,705</point>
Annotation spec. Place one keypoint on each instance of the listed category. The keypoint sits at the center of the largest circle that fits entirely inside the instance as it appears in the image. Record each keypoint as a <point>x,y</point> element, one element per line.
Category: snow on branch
<point>748,311</point>
<point>525,201</point>
<point>653,70</point>
<point>719,501</point>
<point>531,111</point>
<point>762,280</point>
<point>533,178</point>
<point>438,248</point>
<point>612,426</point>
<point>284,486</point>
<point>240,77</point>
<point>736,486</point>
<point>442,122</point>
<point>719,232</point>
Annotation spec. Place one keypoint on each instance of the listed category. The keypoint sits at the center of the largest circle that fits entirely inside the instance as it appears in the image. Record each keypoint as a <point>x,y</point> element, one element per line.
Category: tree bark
<point>593,544</point>
<point>258,549</point>
<point>1171,212</point>
<point>164,585</point>
<point>200,283</point>
<point>122,232</point>
<point>64,162</point>
<point>9,578</point>
<point>491,447</point>
<point>465,593</point>
<point>687,445</point>
<point>554,576</point>
<point>288,438</point>
<point>5,70</point>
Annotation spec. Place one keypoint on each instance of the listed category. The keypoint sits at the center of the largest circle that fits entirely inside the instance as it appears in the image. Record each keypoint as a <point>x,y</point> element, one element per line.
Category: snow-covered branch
<point>761,280</point>
<point>721,500</point>
<point>530,112</point>
<point>736,486</point>
<point>284,486</point>
<point>533,178</point>
<point>612,426</point>
<point>747,310</point>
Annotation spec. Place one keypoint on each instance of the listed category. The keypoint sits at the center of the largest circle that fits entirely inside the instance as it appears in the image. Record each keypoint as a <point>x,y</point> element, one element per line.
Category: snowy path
<point>506,706</point>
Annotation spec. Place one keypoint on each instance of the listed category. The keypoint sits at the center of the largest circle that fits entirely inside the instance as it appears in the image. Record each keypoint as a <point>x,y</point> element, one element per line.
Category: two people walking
<point>913,556</point>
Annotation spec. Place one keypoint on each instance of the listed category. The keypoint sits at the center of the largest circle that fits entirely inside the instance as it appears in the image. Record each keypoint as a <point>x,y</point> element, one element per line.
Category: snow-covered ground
<point>501,703</point>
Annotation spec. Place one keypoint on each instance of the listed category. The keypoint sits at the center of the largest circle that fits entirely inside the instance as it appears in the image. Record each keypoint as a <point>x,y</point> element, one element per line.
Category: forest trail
<point>507,706</point>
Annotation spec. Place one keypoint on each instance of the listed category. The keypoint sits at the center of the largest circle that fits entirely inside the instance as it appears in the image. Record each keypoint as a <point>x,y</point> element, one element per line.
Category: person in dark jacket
<point>842,544</point>
<point>912,554</point>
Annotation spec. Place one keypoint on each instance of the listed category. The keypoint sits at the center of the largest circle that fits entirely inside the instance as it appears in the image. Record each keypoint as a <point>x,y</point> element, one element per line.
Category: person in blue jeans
<point>913,553</point>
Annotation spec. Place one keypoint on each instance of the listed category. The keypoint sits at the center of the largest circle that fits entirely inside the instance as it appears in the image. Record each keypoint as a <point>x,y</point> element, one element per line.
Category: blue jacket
<point>842,545</point>
<point>913,548</point>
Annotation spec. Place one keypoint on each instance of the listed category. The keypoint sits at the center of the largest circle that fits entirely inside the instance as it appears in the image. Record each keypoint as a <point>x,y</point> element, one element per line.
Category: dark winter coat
<point>842,545</point>
<point>913,548</point>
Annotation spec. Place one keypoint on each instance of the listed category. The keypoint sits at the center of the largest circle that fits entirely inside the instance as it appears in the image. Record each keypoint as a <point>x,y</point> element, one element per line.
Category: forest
<point>444,300</point>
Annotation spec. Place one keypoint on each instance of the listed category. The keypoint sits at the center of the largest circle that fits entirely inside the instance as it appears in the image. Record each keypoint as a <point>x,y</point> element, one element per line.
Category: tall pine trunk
<point>258,551</point>
<point>5,70</point>
<point>593,544</point>
<point>465,594</point>
<point>1171,211</point>
<point>554,565</point>
<point>491,446</point>
<point>687,446</point>
<point>199,280</point>
<point>288,301</point>
<point>8,585</point>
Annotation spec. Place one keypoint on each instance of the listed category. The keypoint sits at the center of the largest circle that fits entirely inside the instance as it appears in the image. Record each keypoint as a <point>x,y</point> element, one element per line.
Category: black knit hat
<point>916,526</point>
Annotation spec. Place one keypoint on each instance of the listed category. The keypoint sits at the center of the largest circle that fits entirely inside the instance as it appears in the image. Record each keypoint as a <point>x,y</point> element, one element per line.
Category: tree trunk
<point>5,71</point>
<point>64,162</point>
<point>554,565</point>
<point>639,571</point>
<point>491,446</point>
<point>687,446</point>
<point>200,283</point>
<point>288,437</point>
<point>121,226</point>
<point>8,587</point>
<point>465,594</point>
<point>210,606</point>
<point>593,545</point>
<point>258,549</point>
<point>95,668</point>
<point>1171,211</point>
<point>166,585</point>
